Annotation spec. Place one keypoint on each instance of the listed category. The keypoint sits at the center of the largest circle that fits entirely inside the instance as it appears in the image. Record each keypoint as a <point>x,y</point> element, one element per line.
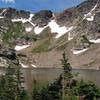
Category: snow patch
<point>20,20</point>
<point>69,36</point>
<point>55,28</point>
<point>79,51</point>
<point>38,29</point>
<point>28,29</point>
<point>30,18</point>
<point>95,40</point>
<point>33,65</point>
<point>1,17</point>
<point>18,47</point>
<point>94,8</point>
<point>90,15</point>
<point>90,18</point>
<point>24,66</point>
<point>4,10</point>
<point>23,20</point>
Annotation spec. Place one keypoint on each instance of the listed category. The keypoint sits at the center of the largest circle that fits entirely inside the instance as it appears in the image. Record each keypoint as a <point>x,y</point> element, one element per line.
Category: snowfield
<point>33,65</point>
<point>38,29</point>
<point>55,28</point>
<point>70,37</point>
<point>3,11</point>
<point>20,20</point>
<point>90,16</point>
<point>28,29</point>
<point>79,51</point>
<point>18,47</point>
<point>23,20</point>
<point>1,17</point>
<point>95,40</point>
<point>23,66</point>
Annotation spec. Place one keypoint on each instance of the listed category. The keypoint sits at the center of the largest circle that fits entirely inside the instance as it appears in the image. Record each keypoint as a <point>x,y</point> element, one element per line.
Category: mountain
<point>39,39</point>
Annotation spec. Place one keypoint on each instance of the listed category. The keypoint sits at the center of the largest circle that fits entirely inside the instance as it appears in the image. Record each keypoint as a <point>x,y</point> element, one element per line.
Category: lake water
<point>48,75</point>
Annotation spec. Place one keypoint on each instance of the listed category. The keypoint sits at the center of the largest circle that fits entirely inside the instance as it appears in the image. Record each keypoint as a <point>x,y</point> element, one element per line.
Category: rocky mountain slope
<point>39,39</point>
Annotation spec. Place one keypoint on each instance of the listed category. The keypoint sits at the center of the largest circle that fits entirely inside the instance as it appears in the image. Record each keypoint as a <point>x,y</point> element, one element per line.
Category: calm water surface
<point>48,75</point>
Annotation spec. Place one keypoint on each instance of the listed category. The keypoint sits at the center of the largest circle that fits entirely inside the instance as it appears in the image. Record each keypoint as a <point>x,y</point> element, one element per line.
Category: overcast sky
<point>36,5</point>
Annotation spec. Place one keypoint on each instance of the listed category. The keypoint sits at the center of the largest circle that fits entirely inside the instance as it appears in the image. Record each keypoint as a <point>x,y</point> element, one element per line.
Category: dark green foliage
<point>24,95</point>
<point>29,37</point>
<point>50,92</point>
<point>67,88</point>
<point>65,64</point>
<point>87,89</point>
<point>63,88</point>
<point>13,33</point>
<point>42,47</point>
<point>10,86</point>
<point>85,40</point>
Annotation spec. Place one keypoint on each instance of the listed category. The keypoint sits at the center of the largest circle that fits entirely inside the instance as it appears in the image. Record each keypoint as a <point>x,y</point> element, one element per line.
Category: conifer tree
<point>11,85</point>
<point>66,75</point>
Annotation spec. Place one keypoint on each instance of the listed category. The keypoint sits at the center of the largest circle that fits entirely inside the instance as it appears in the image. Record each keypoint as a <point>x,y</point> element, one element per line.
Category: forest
<point>65,87</point>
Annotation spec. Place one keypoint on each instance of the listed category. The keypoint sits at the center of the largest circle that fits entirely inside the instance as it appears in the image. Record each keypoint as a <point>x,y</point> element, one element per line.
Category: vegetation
<point>13,32</point>
<point>16,32</point>
<point>63,88</point>
<point>29,37</point>
<point>67,88</point>
<point>10,86</point>
<point>42,47</point>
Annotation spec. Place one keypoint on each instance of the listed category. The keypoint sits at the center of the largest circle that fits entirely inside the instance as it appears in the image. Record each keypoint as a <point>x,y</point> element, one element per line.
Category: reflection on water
<point>47,75</point>
<point>89,75</point>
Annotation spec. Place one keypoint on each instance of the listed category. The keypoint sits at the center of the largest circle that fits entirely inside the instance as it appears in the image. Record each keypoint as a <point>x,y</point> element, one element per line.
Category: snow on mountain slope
<point>55,28</point>
<point>18,48</point>
<point>79,51</point>
<point>30,19</point>
<point>28,29</point>
<point>38,29</point>
<point>95,40</point>
<point>1,17</point>
<point>3,11</point>
<point>20,20</point>
<point>33,65</point>
<point>90,15</point>
<point>23,20</point>
<point>69,36</point>
<point>80,24</point>
<point>23,66</point>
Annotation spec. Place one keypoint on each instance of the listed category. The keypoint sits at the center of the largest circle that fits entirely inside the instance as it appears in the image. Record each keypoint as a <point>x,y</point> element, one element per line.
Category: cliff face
<point>39,39</point>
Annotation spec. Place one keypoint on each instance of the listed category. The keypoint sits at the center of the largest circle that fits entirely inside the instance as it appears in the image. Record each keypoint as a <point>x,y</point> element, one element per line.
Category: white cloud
<point>8,1</point>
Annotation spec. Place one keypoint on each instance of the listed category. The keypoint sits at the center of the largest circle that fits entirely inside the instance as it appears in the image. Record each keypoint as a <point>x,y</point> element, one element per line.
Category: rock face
<point>75,30</point>
<point>42,18</point>
<point>13,13</point>
<point>8,53</point>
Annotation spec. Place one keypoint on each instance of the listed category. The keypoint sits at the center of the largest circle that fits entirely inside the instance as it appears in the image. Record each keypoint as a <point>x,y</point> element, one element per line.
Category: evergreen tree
<point>66,76</point>
<point>66,88</point>
<point>10,85</point>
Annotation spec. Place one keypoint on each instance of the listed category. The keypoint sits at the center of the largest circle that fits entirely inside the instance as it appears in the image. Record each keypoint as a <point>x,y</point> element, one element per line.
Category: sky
<point>37,5</point>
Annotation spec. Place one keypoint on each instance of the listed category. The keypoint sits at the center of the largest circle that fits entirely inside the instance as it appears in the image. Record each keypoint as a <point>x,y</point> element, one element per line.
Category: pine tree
<point>66,75</point>
<point>8,85</point>
<point>11,85</point>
